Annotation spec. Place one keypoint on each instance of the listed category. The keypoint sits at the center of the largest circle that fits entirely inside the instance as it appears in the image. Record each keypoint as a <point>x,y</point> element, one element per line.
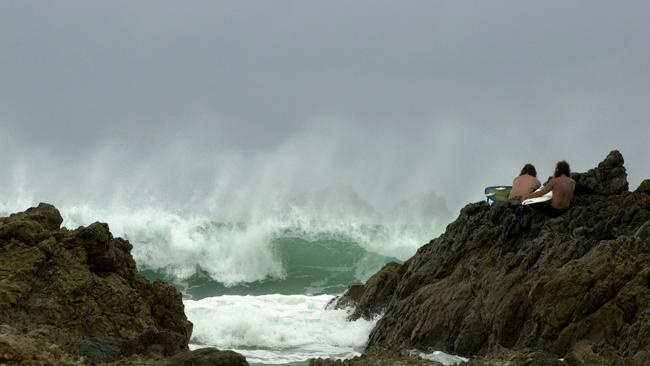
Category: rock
<point>370,299</point>
<point>644,187</point>
<point>153,341</point>
<point>101,349</point>
<point>44,214</point>
<point>501,280</point>
<point>349,299</point>
<point>208,357</point>
<point>609,178</point>
<point>78,291</point>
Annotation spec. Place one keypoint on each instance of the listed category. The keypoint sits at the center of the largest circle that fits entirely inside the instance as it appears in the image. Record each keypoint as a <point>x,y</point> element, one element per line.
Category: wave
<point>295,253</point>
<point>276,329</point>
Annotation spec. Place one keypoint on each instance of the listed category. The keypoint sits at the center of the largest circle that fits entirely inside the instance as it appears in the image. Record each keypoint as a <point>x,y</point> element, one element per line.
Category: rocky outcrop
<point>609,178</point>
<point>79,292</point>
<point>371,298</point>
<point>500,278</point>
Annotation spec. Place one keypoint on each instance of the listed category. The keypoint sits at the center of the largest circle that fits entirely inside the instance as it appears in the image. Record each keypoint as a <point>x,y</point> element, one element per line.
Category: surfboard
<point>544,198</point>
<point>497,193</point>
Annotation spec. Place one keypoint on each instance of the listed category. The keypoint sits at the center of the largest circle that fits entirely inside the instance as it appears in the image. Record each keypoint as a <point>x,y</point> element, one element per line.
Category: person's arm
<point>547,188</point>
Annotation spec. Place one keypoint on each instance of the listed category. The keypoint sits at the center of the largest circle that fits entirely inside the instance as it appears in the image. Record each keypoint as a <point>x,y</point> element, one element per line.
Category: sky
<point>232,106</point>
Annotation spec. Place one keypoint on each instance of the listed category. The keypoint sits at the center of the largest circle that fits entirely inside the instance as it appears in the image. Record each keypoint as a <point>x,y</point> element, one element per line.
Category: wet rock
<point>208,357</point>
<point>371,299</point>
<point>101,349</point>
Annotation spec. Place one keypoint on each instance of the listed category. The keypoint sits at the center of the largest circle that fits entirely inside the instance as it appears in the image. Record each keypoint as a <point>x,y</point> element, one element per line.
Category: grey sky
<point>219,98</point>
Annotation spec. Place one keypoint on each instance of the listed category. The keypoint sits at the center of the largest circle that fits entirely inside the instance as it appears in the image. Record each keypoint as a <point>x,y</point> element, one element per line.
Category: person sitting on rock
<point>523,185</point>
<point>562,187</point>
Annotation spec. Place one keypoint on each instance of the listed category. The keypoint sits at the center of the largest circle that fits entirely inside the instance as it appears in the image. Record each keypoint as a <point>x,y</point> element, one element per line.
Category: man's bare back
<point>523,185</point>
<point>562,188</point>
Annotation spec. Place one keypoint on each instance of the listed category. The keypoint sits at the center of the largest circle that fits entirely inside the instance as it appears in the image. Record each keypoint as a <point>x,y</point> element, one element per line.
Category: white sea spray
<point>276,328</point>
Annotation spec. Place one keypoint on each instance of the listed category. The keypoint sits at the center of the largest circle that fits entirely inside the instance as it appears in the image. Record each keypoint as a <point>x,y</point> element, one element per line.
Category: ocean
<point>261,288</point>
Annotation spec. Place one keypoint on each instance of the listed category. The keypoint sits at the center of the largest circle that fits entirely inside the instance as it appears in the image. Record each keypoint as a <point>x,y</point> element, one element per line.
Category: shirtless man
<point>562,187</point>
<point>525,184</point>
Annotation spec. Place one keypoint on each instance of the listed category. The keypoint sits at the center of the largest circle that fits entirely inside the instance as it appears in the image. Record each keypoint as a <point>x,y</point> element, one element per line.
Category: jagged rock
<point>101,349</point>
<point>609,178</point>
<point>370,299</point>
<point>498,278</point>
<point>44,214</point>
<point>81,291</point>
<point>349,299</point>
<point>644,187</point>
<point>208,357</point>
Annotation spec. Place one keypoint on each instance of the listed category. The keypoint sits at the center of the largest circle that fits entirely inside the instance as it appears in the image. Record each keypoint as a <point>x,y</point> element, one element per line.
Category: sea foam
<point>242,252</point>
<point>275,329</point>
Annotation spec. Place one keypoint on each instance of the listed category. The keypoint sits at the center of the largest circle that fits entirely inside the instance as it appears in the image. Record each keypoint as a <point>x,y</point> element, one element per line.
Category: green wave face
<point>310,267</point>
<point>311,262</point>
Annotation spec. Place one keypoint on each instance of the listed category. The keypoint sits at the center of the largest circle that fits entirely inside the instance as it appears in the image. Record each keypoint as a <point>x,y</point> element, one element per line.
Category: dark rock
<point>153,341</point>
<point>349,299</point>
<point>609,178</point>
<point>371,299</point>
<point>644,187</point>
<point>208,357</point>
<point>101,349</point>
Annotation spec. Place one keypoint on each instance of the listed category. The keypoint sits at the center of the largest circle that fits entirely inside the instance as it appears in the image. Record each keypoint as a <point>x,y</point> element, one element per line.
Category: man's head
<point>562,168</point>
<point>529,169</point>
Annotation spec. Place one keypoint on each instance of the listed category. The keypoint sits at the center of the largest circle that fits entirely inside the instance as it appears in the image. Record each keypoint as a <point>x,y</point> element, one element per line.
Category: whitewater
<point>260,287</point>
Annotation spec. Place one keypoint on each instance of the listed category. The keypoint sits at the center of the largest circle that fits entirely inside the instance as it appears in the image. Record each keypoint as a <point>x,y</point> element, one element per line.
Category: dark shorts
<point>547,210</point>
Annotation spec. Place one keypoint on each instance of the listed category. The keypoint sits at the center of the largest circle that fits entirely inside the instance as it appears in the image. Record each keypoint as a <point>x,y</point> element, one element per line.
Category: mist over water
<point>275,230</point>
<point>278,226</point>
<point>196,206</point>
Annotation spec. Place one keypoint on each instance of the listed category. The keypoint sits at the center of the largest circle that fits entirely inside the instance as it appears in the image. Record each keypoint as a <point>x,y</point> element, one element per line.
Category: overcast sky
<point>207,100</point>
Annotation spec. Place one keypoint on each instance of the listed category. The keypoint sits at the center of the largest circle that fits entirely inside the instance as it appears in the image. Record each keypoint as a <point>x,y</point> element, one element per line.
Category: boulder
<point>644,187</point>
<point>609,178</point>
<point>371,299</point>
<point>44,214</point>
<point>101,349</point>
<point>208,357</point>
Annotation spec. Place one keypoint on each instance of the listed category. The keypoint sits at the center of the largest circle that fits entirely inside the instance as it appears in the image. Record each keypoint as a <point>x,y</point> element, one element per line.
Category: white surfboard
<point>544,198</point>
